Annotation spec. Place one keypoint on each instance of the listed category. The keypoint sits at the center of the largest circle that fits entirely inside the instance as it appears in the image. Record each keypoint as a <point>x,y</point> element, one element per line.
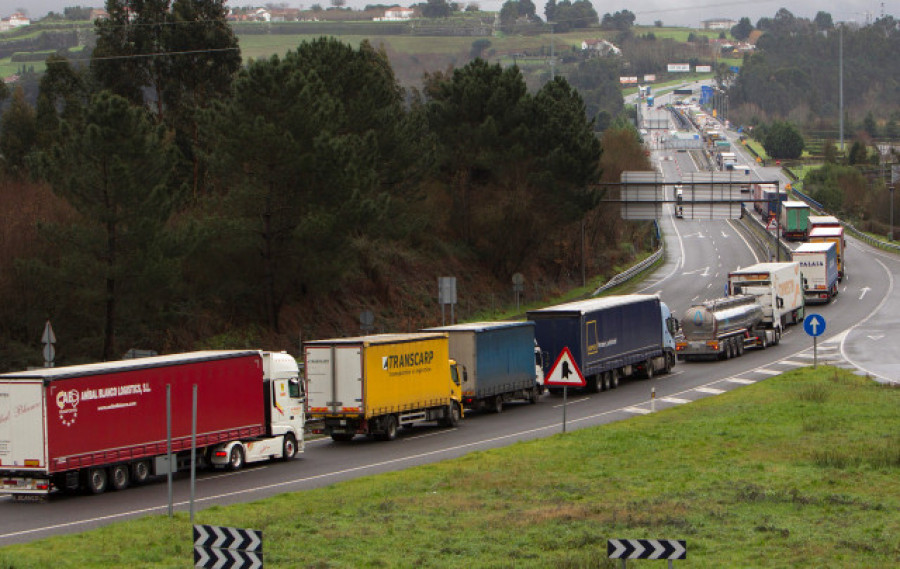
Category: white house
<point>396,14</point>
<point>718,24</point>
<point>601,47</point>
<point>17,20</point>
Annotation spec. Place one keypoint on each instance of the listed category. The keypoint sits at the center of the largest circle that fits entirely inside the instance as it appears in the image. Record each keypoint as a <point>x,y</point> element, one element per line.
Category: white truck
<point>779,290</point>
<point>818,263</point>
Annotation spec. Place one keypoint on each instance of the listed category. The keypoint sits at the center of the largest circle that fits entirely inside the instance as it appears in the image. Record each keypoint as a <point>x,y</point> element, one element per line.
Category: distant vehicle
<point>679,198</point>
<point>610,338</point>
<point>794,220</point>
<point>723,328</point>
<point>500,362</point>
<point>814,221</point>
<point>818,264</point>
<point>373,385</point>
<point>779,289</point>
<point>834,235</point>
<point>103,425</point>
<point>649,100</point>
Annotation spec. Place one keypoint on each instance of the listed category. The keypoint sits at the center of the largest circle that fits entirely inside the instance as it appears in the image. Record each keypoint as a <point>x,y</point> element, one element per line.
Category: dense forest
<point>795,74</point>
<point>166,197</point>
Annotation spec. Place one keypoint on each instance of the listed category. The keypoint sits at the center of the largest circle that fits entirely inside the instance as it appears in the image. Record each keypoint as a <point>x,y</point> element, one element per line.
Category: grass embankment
<point>800,470</point>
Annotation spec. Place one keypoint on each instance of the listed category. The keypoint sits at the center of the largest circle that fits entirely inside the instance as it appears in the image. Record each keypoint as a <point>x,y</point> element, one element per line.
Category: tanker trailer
<point>722,328</point>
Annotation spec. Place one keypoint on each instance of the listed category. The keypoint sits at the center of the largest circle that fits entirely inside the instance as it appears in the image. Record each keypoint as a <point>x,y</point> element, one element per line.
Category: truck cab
<point>671,332</point>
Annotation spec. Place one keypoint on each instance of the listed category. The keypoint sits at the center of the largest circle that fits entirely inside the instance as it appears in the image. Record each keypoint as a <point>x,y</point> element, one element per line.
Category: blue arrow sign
<point>814,325</point>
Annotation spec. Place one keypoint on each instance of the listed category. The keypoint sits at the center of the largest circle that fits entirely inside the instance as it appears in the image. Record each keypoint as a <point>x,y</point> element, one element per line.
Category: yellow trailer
<point>375,384</point>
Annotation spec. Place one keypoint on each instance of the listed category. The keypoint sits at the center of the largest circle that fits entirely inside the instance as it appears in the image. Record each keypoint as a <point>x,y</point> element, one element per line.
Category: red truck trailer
<point>104,425</point>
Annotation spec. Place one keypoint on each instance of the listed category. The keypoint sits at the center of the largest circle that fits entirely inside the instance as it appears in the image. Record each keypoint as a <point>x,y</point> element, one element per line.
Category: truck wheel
<point>604,381</point>
<point>777,337</point>
<point>613,379</point>
<point>236,458</point>
<point>140,472</point>
<point>533,394</point>
<point>289,447</point>
<point>453,416</point>
<point>389,425</point>
<point>497,404</point>
<point>593,384</point>
<point>648,368</point>
<point>120,476</point>
<point>97,480</point>
<point>740,347</point>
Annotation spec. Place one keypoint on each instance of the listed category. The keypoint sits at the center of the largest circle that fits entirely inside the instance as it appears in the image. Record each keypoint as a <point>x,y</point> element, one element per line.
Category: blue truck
<point>501,360</point>
<point>610,338</point>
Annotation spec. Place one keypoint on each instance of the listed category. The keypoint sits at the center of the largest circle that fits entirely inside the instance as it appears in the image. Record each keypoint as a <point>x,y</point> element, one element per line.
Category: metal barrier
<point>786,250</point>
<point>632,272</point>
<point>636,269</point>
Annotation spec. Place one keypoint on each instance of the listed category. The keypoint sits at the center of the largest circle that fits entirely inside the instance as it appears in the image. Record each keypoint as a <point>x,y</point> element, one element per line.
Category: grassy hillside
<point>800,470</point>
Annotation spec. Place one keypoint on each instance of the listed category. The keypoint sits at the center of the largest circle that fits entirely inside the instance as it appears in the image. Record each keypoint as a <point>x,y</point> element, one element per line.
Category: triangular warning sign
<point>564,372</point>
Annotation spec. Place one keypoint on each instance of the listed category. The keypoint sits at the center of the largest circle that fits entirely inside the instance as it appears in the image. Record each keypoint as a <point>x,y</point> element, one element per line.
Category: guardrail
<point>631,272</point>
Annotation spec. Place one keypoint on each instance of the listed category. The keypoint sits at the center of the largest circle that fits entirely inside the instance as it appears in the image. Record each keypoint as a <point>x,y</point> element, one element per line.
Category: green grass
<point>800,470</point>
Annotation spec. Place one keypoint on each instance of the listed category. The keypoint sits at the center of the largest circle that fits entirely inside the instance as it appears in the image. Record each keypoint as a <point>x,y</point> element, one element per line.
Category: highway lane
<point>698,256</point>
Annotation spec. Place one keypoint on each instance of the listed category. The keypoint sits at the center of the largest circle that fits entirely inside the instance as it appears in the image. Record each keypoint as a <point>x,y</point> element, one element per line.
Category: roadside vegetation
<point>800,470</point>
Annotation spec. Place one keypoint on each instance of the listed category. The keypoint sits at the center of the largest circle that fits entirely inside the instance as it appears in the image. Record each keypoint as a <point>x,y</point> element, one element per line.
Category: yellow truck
<point>373,385</point>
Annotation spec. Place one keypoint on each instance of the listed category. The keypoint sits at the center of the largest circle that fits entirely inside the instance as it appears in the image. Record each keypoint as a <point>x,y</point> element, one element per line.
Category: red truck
<point>104,425</point>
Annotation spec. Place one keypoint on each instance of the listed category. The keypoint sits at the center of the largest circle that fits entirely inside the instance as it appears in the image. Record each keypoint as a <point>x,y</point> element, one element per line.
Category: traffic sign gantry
<point>814,325</point>
<point>565,372</point>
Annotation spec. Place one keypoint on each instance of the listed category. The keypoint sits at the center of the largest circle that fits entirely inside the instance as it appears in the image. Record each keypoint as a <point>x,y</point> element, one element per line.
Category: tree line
<point>167,197</point>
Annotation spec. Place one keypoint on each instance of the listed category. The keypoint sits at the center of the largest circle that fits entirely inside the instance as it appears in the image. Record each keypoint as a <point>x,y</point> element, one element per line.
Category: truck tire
<point>648,368</point>
<point>497,404</point>
<point>453,416</point>
<point>140,472</point>
<point>389,426</point>
<point>740,347</point>
<point>533,394</point>
<point>97,480</point>
<point>119,476</point>
<point>613,379</point>
<point>236,458</point>
<point>604,381</point>
<point>593,383</point>
<point>289,447</point>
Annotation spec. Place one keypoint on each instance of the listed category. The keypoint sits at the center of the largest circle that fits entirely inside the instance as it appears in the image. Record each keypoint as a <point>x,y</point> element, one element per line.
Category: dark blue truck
<point>610,338</point>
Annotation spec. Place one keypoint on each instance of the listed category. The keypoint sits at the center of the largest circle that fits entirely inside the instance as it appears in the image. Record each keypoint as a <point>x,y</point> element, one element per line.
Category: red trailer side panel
<point>116,411</point>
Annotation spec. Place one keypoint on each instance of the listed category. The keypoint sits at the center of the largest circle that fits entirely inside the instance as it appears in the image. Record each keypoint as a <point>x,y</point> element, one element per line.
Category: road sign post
<point>564,373</point>
<point>814,325</point>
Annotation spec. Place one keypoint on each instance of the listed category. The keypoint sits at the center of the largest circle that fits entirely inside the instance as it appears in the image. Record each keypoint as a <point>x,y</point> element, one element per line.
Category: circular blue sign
<point>814,325</point>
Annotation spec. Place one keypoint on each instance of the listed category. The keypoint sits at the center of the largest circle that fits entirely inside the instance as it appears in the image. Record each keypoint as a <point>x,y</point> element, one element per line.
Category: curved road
<point>699,256</point>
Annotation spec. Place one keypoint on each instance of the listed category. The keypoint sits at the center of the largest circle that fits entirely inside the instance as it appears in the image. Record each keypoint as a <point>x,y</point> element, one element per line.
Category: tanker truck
<point>723,328</point>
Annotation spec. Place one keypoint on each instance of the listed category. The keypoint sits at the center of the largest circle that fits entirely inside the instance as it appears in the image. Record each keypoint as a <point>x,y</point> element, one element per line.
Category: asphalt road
<point>699,255</point>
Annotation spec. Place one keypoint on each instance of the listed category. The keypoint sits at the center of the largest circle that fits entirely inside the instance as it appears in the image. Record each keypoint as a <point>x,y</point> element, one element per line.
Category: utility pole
<point>841,83</point>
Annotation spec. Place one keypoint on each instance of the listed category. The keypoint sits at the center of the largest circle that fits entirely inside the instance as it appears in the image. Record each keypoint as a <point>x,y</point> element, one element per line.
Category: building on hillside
<point>718,24</point>
<point>396,14</point>
<point>600,47</point>
<point>17,20</point>
<point>285,14</point>
<point>99,14</point>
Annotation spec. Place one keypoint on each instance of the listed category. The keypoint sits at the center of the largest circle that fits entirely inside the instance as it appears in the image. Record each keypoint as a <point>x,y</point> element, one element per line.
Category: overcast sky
<point>689,12</point>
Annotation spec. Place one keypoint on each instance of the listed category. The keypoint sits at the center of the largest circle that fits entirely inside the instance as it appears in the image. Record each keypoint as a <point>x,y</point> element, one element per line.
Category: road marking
<point>765,371</point>
<point>572,402</point>
<point>863,291</point>
<point>674,400</point>
<point>637,410</point>
<point>791,363</point>
<point>740,380</point>
<point>711,390</point>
